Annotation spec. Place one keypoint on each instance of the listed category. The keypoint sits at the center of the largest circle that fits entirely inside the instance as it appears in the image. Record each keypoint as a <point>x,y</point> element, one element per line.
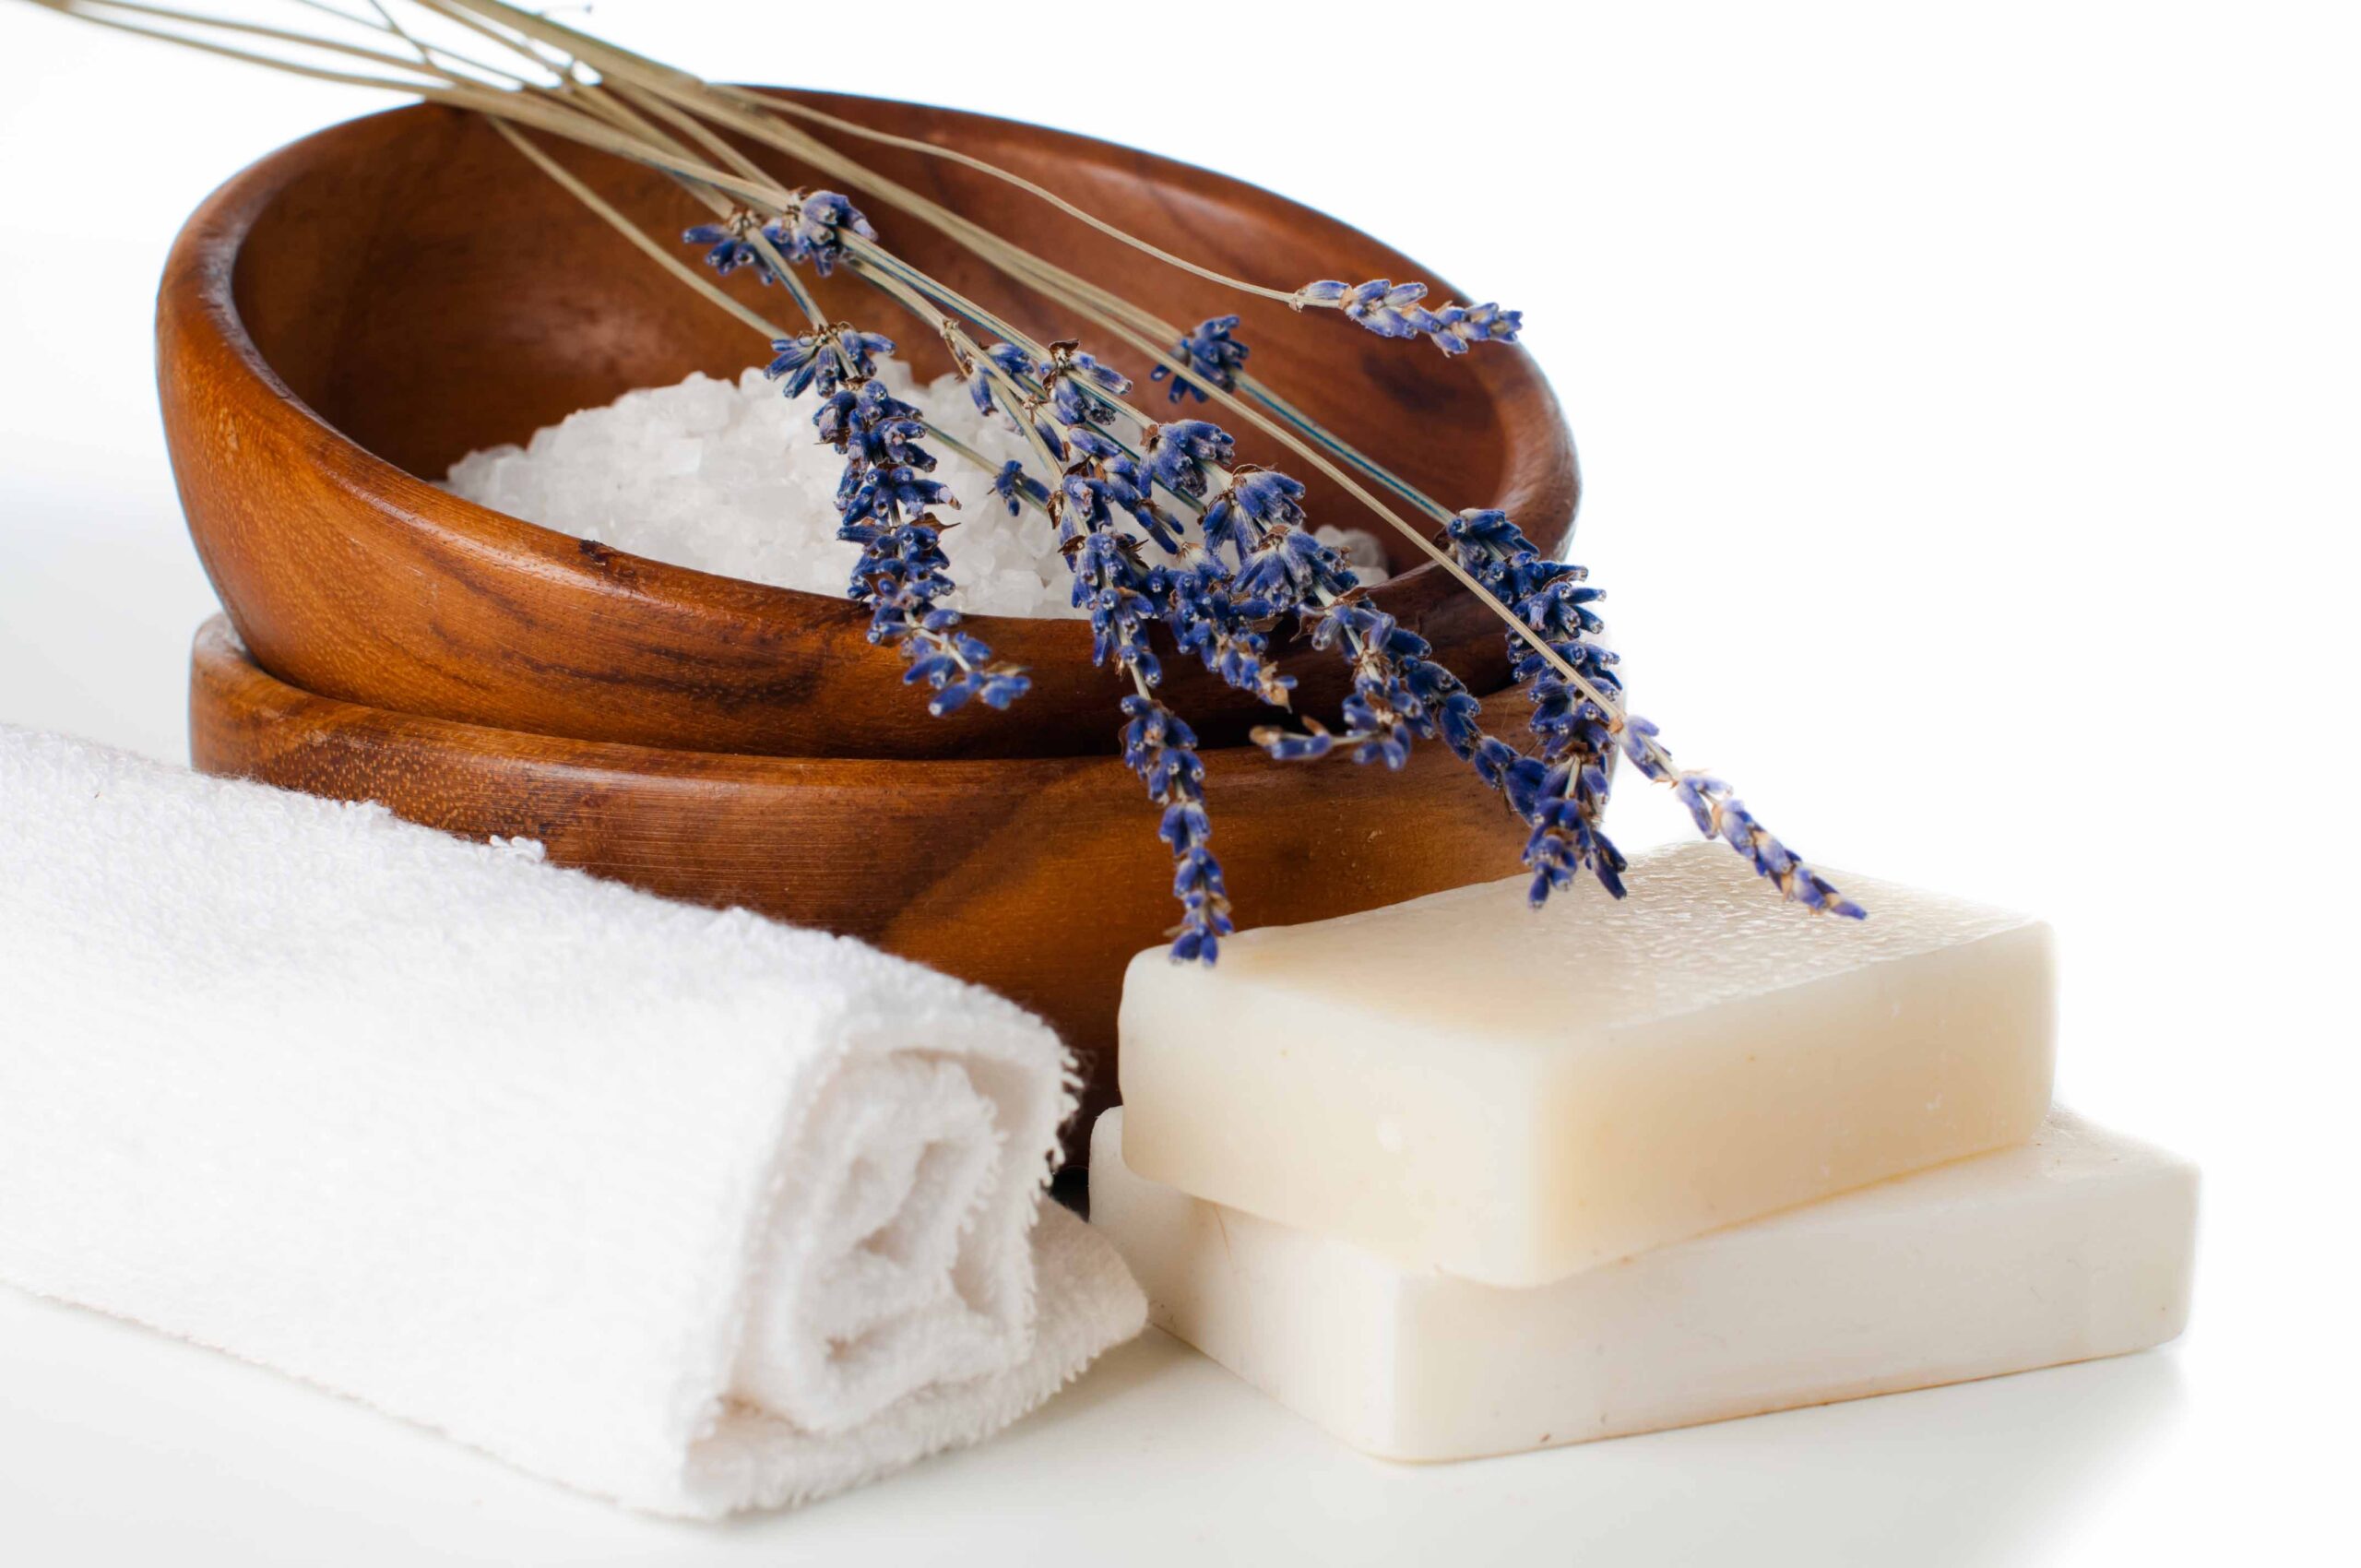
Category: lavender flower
<point>1388,309</point>
<point>827,359</point>
<point>1067,376</point>
<point>1125,598</point>
<point>1721,814</point>
<point>1162,750</point>
<point>1121,484</point>
<point>1394,309</point>
<point>1208,617</point>
<point>812,230</point>
<point>1287,566</point>
<point>884,499</point>
<point>1181,455</point>
<point>1031,406</point>
<point>1638,738</point>
<point>1553,598</point>
<point>1009,360</point>
<point>1014,362</point>
<point>1455,327</point>
<point>1564,809</point>
<point>729,247</point>
<point>1014,487</point>
<point>1211,354</point>
<point>1579,739</point>
<point>1110,582</point>
<point>1255,501</point>
<point>1399,695</point>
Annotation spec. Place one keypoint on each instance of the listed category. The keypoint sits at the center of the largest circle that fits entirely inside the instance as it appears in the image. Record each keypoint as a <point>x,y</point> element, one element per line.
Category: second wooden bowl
<point>1037,876</point>
<point>344,320</point>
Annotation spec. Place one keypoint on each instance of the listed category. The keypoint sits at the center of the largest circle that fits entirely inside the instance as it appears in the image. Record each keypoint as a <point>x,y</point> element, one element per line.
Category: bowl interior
<point>431,293</point>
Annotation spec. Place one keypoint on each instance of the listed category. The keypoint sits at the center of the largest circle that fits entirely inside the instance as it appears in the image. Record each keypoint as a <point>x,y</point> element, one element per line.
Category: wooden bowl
<point>361,309</point>
<point>1036,877</point>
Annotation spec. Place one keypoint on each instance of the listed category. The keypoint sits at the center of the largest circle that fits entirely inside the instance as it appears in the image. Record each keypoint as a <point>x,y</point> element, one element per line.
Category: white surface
<point>678,1205</point>
<point>1592,1079</point>
<point>1987,372</point>
<point>2075,1245</point>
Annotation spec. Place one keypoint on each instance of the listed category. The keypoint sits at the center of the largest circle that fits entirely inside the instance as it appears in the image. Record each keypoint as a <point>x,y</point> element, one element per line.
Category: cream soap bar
<point>2075,1246</point>
<point>1468,1083</point>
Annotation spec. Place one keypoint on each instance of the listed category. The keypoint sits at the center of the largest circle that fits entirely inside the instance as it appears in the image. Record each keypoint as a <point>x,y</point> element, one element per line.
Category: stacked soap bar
<point>2072,1246</point>
<point>1455,1178</point>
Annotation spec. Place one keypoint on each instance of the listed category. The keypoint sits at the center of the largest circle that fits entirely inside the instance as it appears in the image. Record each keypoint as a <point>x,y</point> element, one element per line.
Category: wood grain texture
<point>369,304</point>
<point>1040,877</point>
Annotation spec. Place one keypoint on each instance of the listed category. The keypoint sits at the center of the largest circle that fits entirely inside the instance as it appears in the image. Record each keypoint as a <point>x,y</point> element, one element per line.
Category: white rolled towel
<point>684,1208</point>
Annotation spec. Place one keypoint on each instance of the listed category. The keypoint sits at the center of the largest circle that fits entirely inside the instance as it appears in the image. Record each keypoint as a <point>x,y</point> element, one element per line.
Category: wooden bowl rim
<point>1541,456</point>
<point>217,652</point>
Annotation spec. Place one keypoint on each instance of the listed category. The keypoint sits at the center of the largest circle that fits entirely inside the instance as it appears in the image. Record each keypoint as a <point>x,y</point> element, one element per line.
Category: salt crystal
<point>729,477</point>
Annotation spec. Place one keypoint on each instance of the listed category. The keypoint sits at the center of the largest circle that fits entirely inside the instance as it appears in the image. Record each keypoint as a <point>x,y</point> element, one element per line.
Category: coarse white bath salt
<point>1468,1083</point>
<point>731,478</point>
<point>2075,1246</point>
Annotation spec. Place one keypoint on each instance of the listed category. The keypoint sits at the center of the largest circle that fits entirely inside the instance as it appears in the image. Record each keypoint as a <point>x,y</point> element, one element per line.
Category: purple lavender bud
<point>1014,487</point>
<point>1210,354</point>
<point>1181,452</point>
<point>1014,362</point>
<point>815,232</point>
<point>1384,307</point>
<point>1287,746</point>
<point>727,249</point>
<point>1105,377</point>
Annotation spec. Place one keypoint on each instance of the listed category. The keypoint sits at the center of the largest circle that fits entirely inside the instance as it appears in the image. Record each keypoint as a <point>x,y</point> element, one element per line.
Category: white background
<point>1968,400</point>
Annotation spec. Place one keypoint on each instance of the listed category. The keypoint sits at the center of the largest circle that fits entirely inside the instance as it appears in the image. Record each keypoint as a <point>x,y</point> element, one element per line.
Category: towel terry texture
<point>681,1206</point>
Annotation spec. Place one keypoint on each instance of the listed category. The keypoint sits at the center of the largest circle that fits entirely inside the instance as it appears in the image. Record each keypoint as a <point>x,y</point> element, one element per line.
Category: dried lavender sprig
<point>973,363</point>
<point>1161,749</point>
<point>885,501</point>
<point>1125,597</point>
<point>1565,801</point>
<point>1394,309</point>
<point>1292,427</point>
<point>1210,354</point>
<point>1721,814</point>
<point>808,228</point>
<point>1401,694</point>
<point>1398,692</point>
<point>728,247</point>
<point>1580,735</point>
<point>1256,514</point>
<point>1207,616</point>
<point>1389,309</point>
<point>1563,794</point>
<point>1206,611</point>
<point>1112,582</point>
<point>827,359</point>
<point>812,229</point>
